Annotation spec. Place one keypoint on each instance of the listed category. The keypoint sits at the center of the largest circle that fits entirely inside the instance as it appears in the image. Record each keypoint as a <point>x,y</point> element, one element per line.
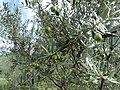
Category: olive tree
<point>73,45</point>
<point>78,44</point>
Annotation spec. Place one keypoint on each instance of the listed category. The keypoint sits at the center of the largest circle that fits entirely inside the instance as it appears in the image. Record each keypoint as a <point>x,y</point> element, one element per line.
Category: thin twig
<point>101,85</point>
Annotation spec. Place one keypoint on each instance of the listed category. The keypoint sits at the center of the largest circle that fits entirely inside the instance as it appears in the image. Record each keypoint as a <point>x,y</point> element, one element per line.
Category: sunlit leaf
<point>45,49</point>
<point>113,80</point>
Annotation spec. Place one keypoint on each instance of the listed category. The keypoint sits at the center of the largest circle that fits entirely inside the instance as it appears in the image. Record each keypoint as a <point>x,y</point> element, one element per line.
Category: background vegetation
<point>60,51</point>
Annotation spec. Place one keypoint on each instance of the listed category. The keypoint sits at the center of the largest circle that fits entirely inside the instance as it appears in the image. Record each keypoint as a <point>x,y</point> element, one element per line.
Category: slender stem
<point>56,83</point>
<point>101,85</point>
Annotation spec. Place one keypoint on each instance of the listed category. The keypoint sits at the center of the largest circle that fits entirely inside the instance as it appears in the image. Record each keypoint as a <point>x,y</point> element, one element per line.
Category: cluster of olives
<point>55,57</point>
<point>54,10</point>
<point>35,65</point>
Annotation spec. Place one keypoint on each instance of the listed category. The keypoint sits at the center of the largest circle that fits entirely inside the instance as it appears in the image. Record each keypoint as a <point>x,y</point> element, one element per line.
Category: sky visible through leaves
<point>27,14</point>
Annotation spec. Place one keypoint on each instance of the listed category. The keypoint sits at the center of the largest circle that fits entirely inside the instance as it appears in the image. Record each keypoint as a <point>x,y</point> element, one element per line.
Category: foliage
<point>67,57</point>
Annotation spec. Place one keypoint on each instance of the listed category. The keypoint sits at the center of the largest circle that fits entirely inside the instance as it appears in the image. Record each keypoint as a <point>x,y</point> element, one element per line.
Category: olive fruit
<point>54,57</point>
<point>36,65</point>
<point>33,64</point>
<point>53,8</point>
<point>47,29</point>
<point>98,37</point>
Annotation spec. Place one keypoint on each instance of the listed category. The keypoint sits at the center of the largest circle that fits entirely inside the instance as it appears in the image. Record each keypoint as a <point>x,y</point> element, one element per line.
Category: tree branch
<point>55,83</point>
<point>101,85</point>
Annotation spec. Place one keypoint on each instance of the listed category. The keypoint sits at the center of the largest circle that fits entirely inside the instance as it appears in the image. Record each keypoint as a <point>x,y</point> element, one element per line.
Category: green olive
<point>54,57</point>
<point>47,29</point>
<point>98,37</point>
<point>53,8</point>
<point>33,64</point>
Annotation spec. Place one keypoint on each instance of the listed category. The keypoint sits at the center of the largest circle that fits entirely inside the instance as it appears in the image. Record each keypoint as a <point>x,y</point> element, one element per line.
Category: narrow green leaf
<point>113,80</point>
<point>45,49</point>
<point>112,74</point>
<point>91,65</point>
